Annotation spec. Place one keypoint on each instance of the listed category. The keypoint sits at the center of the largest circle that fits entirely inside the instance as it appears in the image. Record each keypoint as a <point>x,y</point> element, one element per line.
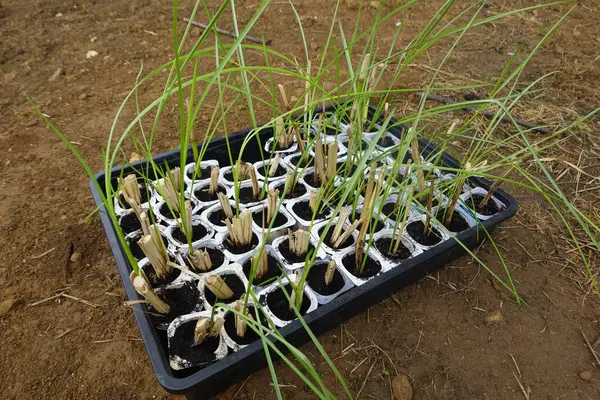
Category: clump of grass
<point>240,229</point>
<point>298,241</point>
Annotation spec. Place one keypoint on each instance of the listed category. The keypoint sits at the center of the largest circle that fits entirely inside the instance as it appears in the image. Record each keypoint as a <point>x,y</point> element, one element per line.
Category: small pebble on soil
<point>494,316</point>
<point>402,388</point>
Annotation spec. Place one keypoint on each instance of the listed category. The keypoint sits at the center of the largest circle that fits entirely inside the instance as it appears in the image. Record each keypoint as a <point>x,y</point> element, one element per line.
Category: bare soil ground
<point>438,332</point>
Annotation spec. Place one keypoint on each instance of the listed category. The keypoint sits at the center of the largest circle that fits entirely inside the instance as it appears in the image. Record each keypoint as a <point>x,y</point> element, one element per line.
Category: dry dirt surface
<point>455,334</point>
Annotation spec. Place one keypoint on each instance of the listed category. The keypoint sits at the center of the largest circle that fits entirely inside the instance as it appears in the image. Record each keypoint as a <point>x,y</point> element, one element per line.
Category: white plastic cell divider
<point>161,208</point>
<point>280,185</point>
<point>442,233</point>
<point>248,185</point>
<point>191,167</point>
<point>208,244</point>
<point>405,239</point>
<point>270,252</point>
<point>302,223</point>
<point>178,363</point>
<point>204,186</point>
<point>269,147</point>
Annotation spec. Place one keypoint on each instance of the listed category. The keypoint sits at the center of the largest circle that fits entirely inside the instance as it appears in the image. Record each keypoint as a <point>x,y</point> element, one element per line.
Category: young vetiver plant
<point>361,190</point>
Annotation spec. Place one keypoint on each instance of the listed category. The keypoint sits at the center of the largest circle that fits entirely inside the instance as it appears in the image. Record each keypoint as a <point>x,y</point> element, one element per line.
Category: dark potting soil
<point>386,247</point>
<point>344,170</point>
<point>156,281</point>
<point>229,176</point>
<point>217,217</point>
<point>284,249</point>
<point>458,223</point>
<point>386,141</point>
<point>183,300</point>
<point>182,345</point>
<point>241,249</point>
<point>302,160</point>
<point>143,197</point>
<point>303,210</point>
<point>390,210</point>
<point>475,200</point>
<point>249,337</point>
<point>264,171</point>
<point>234,283</point>
<point>327,239</point>
<point>247,195</point>
<point>316,280</point>
<point>423,199</point>
<point>299,190</point>
<point>372,266</point>
<point>273,270</point>
<point>130,223</point>
<point>416,231</point>
<point>216,258</point>
<point>280,219</point>
<point>165,211</point>
<point>310,180</point>
<point>280,306</point>
<point>198,232</point>
<point>202,193</point>
<point>375,226</point>
<point>332,131</point>
<point>204,173</point>
<point>279,147</point>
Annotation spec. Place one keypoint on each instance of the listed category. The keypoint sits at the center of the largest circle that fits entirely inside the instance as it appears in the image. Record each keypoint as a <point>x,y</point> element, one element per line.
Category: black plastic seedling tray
<point>203,383</point>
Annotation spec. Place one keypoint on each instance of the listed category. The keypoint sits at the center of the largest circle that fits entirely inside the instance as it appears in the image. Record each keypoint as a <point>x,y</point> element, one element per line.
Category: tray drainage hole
<point>316,280</point>
<point>386,247</point>
<point>280,305</point>
<point>416,231</point>
<point>371,268</point>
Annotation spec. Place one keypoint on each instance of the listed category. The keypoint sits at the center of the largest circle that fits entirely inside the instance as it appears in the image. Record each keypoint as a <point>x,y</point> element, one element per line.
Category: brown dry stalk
<point>295,287</point>
<point>370,189</point>
<point>240,229</point>
<point>414,145</point>
<point>201,330</point>
<point>349,154</point>
<point>131,190</point>
<point>360,242</point>
<point>170,188</point>
<point>298,241</point>
<point>409,198</point>
<point>145,223</point>
<point>225,205</point>
<point>459,187</point>
<point>154,248</point>
<point>319,173</point>
<point>262,264</point>
<point>199,260</point>
<point>493,187</point>
<point>429,206</point>
<point>217,285</point>
<point>188,217</point>
<point>329,272</point>
<point>346,234</point>
<point>274,164</point>
<point>291,180</point>
<point>214,180</point>
<point>254,180</point>
<point>313,200</point>
<point>332,153</point>
<point>337,231</point>
<point>366,61</point>
<point>143,288</point>
<point>272,199</point>
<point>240,325</point>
